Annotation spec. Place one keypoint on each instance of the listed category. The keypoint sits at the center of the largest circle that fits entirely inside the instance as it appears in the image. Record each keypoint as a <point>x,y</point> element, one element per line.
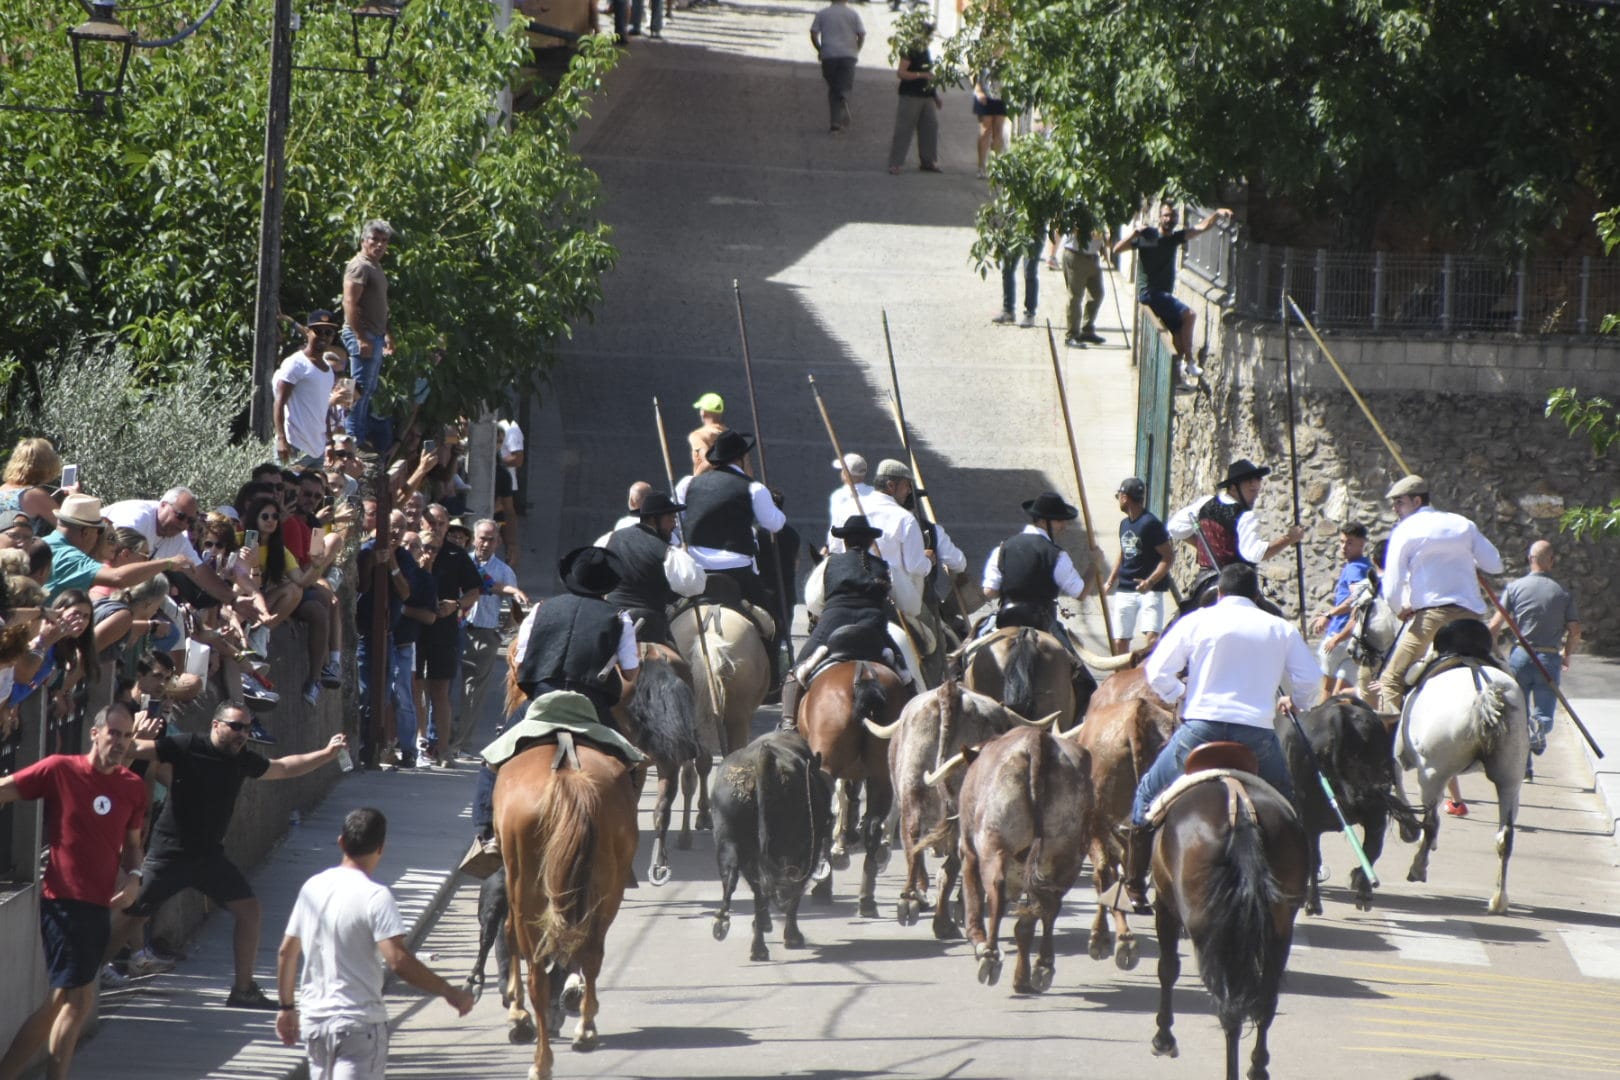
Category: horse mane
<point>867,694</point>
<point>566,826</point>
<point>662,713</point>
<point>1018,687</point>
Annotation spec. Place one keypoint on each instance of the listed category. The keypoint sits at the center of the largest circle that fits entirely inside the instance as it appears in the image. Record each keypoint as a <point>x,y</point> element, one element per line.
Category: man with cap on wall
<point>1142,574</point>
<point>901,541</point>
<point>303,393</point>
<point>711,410</point>
<point>652,571</point>
<point>851,469</point>
<point>723,506</point>
<point>1430,577</point>
<point>853,616</point>
<point>1222,529</point>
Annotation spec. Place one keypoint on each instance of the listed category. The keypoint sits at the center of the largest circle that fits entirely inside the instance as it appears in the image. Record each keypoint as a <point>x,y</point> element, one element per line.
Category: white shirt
<point>1431,562</point>
<point>511,443</point>
<point>142,516</point>
<point>767,516</point>
<point>901,545</point>
<point>1068,579</point>
<point>486,613</point>
<point>1251,547</point>
<point>946,553</point>
<point>1236,657</point>
<point>628,655</point>
<point>841,507</point>
<point>340,916</point>
<point>306,409</point>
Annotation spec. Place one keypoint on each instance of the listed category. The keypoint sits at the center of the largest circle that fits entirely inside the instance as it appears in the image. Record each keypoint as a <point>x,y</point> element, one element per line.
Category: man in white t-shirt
<point>506,485</point>
<point>303,393</point>
<point>165,523</point>
<point>838,34</point>
<point>341,923</point>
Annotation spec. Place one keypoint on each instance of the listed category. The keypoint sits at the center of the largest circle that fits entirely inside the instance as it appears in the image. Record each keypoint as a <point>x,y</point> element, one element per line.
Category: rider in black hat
<point>1028,572</point>
<point>1221,528</point>
<point>723,505</point>
<point>579,641</point>
<point>856,587</point>
<point>652,573</point>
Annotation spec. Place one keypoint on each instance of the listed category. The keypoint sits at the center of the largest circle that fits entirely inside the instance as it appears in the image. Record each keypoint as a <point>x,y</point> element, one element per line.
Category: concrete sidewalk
<point>1592,686</point>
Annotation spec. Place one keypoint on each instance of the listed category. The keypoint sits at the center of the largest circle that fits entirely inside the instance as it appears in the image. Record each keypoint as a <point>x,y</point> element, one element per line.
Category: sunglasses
<point>235,725</point>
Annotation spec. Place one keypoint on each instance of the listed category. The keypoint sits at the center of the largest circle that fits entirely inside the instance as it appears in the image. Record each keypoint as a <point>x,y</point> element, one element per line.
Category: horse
<point>1230,864</point>
<point>1123,740</point>
<point>731,674</point>
<point>832,719</point>
<point>565,814</point>
<point>1027,670</point>
<point>1456,719</point>
<point>659,717</point>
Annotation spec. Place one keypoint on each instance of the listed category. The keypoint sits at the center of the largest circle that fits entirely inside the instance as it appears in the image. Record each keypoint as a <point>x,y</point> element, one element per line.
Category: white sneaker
<point>144,963</point>
<point>1028,320</point>
<point>112,979</point>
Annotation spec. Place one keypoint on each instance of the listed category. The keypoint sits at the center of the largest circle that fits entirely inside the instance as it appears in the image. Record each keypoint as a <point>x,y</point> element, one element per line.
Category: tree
<point>1477,122</point>
<point>145,228</point>
<point>1595,419</point>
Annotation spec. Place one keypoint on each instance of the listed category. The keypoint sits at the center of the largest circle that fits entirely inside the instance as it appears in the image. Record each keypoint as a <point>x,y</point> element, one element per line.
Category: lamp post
<point>101,50</point>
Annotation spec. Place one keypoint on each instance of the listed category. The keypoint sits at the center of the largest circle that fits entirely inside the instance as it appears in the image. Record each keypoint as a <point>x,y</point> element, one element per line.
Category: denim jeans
<point>365,371</point>
<point>1539,692</point>
<point>401,670</point>
<point>484,804</point>
<point>1193,733</point>
<point>369,733</point>
<point>1032,279</point>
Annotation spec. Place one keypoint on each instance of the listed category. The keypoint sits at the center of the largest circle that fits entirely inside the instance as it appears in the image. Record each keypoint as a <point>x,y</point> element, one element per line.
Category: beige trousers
<point>1414,642</point>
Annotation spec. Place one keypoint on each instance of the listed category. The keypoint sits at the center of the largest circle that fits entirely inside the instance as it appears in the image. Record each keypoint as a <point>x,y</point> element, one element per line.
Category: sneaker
<point>258,734</point>
<point>332,675</point>
<point>146,962</point>
<point>1091,337</point>
<point>112,979</point>
<point>312,693</point>
<point>1538,739</point>
<point>1456,809</point>
<point>253,997</point>
<point>1074,342</point>
<point>257,697</point>
<point>388,759</point>
<point>1028,320</point>
<point>1005,318</point>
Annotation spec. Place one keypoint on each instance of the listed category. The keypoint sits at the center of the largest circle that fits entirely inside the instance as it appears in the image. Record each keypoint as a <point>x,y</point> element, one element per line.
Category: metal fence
<point>1410,294</point>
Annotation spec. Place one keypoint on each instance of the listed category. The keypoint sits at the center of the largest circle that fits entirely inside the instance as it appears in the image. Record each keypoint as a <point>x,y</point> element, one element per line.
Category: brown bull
<point>1123,740</point>
<point>1127,680</point>
<point>567,829</point>
<point>1026,670</point>
<point>1026,815</point>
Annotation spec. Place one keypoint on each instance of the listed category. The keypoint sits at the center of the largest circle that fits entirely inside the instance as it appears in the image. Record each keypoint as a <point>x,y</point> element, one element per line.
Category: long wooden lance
<point>711,676</point>
<point>1484,584</point>
<point>1293,466</point>
<point>1080,485</point>
<point>759,445</point>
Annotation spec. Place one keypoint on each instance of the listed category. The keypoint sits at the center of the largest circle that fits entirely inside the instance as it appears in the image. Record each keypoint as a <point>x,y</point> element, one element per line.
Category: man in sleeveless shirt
<point>1222,528</point>
<point>653,572</point>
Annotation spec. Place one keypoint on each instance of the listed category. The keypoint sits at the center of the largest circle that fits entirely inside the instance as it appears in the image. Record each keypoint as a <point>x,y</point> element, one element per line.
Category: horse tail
<point>867,695</point>
<point>1018,686</point>
<point>1239,955</point>
<point>566,832</point>
<point>663,712</point>
<point>1487,717</point>
<point>1032,861</point>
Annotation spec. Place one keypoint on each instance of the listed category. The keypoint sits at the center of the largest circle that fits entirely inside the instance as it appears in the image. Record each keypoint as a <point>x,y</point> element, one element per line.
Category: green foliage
<point>132,438</point>
<point>146,228</point>
<point>1595,419</point>
<point>912,31</point>
<point>1608,226</point>
<point>1481,119</point>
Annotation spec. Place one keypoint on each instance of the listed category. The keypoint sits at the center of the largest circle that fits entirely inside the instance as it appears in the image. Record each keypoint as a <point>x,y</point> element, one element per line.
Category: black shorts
<point>503,483</point>
<point>989,107</point>
<point>75,934</point>
<point>169,873</point>
<point>438,650</point>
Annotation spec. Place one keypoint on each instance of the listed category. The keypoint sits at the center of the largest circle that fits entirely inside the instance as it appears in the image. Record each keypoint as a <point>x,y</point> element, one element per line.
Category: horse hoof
<point>822,872</point>
<point>1126,956</point>
<point>1100,947</point>
<point>1415,874</point>
<point>1165,1047</point>
<point>946,930</point>
<point>704,822</point>
<point>476,989</point>
<point>1040,980</point>
<point>759,952</point>
<point>1497,906</point>
<point>586,1041</point>
<point>1409,833</point>
<point>1364,901</point>
<point>1313,907</point>
<point>792,939</point>
<point>722,927</point>
<point>866,908</point>
<point>683,842</point>
<point>520,1031</point>
<point>904,913</point>
<point>573,993</point>
<point>839,860</point>
<point>990,970</point>
<point>659,875</point>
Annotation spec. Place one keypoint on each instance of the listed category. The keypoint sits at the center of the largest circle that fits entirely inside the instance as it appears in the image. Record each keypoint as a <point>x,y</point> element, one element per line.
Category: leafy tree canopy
<point>145,228</point>
<point>1596,420</point>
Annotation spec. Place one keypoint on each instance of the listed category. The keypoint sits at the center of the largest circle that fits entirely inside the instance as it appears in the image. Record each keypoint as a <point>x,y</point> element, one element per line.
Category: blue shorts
<point>75,934</point>
<point>1171,312</point>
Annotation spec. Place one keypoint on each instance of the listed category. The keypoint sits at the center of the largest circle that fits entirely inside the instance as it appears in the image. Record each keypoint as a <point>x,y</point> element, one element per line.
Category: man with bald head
<point>1545,613</point>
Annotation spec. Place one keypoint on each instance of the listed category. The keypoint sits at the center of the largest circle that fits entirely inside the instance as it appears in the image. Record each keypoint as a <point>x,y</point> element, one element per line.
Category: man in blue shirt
<point>1338,671</point>
<point>1142,574</point>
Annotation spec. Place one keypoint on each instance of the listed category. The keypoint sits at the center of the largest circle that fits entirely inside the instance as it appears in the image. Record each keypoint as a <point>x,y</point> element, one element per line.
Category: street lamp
<point>374,25</point>
<point>101,51</point>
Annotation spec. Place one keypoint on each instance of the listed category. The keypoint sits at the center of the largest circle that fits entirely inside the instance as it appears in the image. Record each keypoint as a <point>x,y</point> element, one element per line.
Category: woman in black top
<point>917,109</point>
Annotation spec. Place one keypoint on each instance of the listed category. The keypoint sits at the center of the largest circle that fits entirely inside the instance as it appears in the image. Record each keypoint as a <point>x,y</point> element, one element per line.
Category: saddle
<point>720,591</point>
<point>1222,762</point>
<point>565,719</point>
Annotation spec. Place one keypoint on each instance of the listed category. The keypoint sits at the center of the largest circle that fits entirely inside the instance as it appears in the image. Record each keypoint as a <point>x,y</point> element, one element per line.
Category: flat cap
<point>1408,485</point>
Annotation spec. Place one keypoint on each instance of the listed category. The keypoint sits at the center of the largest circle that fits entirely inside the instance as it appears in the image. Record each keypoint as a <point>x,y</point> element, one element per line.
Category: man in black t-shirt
<point>1142,574</point>
<point>438,651</point>
<point>1156,277</point>
<point>187,847</point>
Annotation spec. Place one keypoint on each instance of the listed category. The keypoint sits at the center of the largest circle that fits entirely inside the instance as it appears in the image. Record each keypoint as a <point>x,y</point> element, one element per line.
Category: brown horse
<point>567,829</point>
<point>832,719</point>
<point>1230,865</point>
<point>1027,670</point>
<point>1123,740</point>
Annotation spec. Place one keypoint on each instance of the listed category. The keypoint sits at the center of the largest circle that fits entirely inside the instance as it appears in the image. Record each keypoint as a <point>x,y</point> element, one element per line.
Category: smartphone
<point>251,538</point>
<point>429,446</point>
<point>70,475</point>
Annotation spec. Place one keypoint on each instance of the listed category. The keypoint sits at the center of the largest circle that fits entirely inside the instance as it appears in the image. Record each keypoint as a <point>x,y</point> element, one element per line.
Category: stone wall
<point>1473,427</point>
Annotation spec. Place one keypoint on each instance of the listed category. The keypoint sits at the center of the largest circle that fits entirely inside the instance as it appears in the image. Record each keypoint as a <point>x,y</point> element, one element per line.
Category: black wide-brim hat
<point>730,446</point>
<point>590,571</point>
<point>657,504</point>
<point>1049,506</point>
<point>1243,469</point>
<point>857,530</point>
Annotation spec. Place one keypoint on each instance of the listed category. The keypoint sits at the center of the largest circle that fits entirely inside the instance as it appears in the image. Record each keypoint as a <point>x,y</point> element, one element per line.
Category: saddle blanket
<point>1161,805</point>
<point>548,714</point>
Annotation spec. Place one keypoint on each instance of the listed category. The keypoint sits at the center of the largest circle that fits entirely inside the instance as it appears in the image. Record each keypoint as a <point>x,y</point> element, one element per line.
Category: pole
<point>1485,586</point>
<point>1080,485</point>
<point>786,614</point>
<point>1119,309</point>
<point>382,701</point>
<point>1293,464</point>
<point>1333,801</point>
<point>270,203</point>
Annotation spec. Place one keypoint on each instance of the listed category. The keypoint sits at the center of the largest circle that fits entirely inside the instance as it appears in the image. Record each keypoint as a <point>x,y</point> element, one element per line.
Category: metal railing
<point>1409,294</point>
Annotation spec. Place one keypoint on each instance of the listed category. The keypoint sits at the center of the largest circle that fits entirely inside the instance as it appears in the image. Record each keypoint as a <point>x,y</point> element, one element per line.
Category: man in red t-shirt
<point>94,810</point>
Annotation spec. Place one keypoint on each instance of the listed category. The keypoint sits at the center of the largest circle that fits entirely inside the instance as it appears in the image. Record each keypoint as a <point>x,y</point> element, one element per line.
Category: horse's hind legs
<point>689,783</point>
<point>1504,852</point>
<point>1168,927</point>
<point>585,1036</point>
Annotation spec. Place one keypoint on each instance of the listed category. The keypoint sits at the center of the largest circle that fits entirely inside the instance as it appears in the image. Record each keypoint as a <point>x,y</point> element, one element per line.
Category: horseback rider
<point>723,506</point>
<point>653,571</point>
<point>1027,573</point>
<point>901,540</point>
<point>1431,578</point>
<point>1221,528</point>
<point>841,504</point>
<point>1235,656</point>
<point>855,585</point>
<point>948,561</point>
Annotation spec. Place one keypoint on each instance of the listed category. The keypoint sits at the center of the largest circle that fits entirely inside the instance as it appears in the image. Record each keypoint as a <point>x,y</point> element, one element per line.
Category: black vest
<point>1029,569</point>
<point>573,639</point>
<point>720,511</point>
<point>1217,523</point>
<point>855,579</point>
<point>642,582</point>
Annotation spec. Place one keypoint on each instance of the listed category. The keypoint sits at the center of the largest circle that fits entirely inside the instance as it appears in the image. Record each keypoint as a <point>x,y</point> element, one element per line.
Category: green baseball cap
<point>710,403</point>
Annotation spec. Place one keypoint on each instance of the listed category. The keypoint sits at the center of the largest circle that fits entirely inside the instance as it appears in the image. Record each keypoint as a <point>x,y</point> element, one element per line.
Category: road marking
<point>1536,1063</point>
<point>1414,938</point>
<point>1596,951</point>
<point>1453,978</point>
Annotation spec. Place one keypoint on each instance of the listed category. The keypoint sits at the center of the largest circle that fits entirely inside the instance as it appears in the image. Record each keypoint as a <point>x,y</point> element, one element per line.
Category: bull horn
<point>882,732</point>
<point>1073,734</point>
<point>944,770</point>
<point>1045,721</point>
<point>1105,663</point>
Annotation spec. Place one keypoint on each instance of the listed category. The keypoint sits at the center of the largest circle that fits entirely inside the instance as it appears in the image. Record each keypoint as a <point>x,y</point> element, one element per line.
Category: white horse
<point>1451,725</point>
